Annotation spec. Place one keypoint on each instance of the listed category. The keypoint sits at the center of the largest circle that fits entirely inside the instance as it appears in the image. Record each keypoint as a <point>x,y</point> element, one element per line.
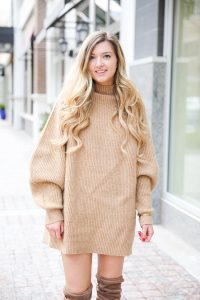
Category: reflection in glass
<point>107,13</point>
<point>184,154</point>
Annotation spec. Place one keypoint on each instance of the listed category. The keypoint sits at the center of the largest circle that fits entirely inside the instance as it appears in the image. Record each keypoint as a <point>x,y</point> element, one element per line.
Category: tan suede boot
<point>109,288</point>
<point>86,295</point>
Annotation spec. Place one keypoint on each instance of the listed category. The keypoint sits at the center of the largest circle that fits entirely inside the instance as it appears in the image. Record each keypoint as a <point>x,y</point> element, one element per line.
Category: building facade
<point>6,59</point>
<point>161,42</point>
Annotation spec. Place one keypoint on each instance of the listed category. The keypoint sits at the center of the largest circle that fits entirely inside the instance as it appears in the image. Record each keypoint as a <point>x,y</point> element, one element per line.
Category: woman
<point>94,166</point>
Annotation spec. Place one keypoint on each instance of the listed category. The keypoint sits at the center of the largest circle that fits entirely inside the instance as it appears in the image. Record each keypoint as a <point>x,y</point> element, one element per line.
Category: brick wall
<point>40,67</point>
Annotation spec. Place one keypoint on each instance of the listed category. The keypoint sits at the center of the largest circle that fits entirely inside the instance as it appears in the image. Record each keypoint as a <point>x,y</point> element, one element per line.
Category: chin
<point>103,81</point>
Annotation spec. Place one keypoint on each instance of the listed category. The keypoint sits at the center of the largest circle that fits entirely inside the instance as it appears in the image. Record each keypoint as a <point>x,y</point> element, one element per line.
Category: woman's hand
<point>56,229</point>
<point>147,233</point>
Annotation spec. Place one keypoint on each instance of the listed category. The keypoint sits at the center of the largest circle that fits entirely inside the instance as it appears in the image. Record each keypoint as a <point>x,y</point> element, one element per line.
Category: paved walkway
<point>32,271</point>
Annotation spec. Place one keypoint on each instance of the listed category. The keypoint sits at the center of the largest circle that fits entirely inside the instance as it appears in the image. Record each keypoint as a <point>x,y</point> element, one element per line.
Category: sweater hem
<point>91,249</point>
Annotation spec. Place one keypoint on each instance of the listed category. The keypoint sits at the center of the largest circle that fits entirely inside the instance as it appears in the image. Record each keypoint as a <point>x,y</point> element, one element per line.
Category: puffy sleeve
<point>147,176</point>
<point>47,170</point>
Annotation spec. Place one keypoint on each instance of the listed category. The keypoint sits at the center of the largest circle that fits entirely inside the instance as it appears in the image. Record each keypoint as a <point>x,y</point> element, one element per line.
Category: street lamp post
<point>82,30</point>
<point>63,46</point>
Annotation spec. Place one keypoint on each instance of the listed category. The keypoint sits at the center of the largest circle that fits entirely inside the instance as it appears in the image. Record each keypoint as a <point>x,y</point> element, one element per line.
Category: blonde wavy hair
<point>76,98</point>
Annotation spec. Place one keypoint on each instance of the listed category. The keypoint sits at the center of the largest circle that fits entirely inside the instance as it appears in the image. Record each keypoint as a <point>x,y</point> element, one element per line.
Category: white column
<point>51,76</point>
<point>2,89</point>
<point>108,15</point>
<point>39,108</point>
<point>71,30</point>
<point>92,15</point>
<point>68,59</point>
<point>29,81</point>
<point>70,34</point>
<point>127,30</point>
<point>18,92</point>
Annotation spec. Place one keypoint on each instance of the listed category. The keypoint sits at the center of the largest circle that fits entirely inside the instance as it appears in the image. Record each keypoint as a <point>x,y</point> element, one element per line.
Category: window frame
<point>171,8</point>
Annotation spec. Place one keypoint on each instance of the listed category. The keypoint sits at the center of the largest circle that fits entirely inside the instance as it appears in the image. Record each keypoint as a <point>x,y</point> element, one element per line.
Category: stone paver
<point>31,270</point>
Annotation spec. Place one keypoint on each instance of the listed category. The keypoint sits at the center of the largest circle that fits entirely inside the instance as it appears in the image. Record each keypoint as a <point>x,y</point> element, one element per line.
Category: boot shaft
<point>109,288</point>
<point>86,295</point>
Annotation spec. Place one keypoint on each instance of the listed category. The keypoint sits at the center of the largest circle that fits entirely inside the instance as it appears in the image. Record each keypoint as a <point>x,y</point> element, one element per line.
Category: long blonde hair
<point>77,91</point>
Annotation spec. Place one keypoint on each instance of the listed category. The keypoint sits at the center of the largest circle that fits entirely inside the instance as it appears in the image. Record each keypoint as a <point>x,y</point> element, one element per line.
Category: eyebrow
<point>102,52</point>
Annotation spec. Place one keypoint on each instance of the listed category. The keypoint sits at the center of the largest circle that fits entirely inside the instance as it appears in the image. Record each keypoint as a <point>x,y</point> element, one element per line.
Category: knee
<point>77,268</point>
<point>77,287</point>
<point>85,294</point>
<point>110,266</point>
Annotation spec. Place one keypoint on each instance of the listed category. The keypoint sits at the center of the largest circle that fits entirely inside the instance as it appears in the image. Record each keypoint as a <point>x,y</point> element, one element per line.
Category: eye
<point>91,57</point>
<point>107,56</point>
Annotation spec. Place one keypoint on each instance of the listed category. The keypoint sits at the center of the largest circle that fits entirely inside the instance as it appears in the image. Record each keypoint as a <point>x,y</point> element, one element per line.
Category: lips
<point>100,72</point>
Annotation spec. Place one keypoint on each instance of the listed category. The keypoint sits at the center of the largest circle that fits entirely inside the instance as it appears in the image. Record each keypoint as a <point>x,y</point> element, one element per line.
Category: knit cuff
<point>53,215</point>
<point>145,220</point>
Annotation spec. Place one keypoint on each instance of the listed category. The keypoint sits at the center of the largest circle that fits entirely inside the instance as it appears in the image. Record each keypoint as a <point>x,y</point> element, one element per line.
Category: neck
<point>104,89</point>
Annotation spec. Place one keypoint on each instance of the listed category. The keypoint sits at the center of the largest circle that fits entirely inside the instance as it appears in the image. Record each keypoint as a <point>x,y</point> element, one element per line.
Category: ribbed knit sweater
<point>96,190</point>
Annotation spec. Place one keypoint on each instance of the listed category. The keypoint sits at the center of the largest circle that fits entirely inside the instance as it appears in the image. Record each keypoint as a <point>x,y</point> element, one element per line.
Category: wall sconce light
<point>63,45</point>
<point>82,29</point>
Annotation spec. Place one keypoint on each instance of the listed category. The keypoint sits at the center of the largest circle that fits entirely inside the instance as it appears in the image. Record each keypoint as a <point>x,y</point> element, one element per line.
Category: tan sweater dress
<point>95,190</point>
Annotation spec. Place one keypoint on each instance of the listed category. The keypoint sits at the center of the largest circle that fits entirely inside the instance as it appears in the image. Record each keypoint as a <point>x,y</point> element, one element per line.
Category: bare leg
<point>109,277</point>
<point>110,266</point>
<point>77,269</point>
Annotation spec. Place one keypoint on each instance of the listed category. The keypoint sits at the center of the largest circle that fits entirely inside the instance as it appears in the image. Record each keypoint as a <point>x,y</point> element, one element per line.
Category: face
<point>103,63</point>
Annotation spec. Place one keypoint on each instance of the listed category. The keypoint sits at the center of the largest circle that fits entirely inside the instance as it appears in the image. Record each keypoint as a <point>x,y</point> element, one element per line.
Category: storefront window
<point>184,147</point>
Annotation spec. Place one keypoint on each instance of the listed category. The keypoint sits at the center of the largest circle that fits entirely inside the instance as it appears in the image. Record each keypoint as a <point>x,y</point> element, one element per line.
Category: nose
<point>99,62</point>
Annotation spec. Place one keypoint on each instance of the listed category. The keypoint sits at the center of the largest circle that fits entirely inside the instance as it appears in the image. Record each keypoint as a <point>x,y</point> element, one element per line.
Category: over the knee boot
<point>109,288</point>
<point>86,295</point>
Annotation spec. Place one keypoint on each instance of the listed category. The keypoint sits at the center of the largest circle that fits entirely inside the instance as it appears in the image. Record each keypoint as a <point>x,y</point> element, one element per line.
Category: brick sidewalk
<point>31,270</point>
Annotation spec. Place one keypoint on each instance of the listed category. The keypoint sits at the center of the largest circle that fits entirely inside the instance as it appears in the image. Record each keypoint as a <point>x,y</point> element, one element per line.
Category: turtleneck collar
<point>104,89</point>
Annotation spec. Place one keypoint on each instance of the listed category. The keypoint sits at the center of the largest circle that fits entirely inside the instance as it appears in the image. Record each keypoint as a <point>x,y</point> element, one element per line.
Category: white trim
<point>27,117</point>
<point>168,24</point>
<point>41,36</point>
<point>178,203</point>
<point>148,60</point>
<point>56,11</point>
<point>168,54</point>
<point>81,15</point>
<point>182,206</point>
<point>127,22</point>
<point>70,5</point>
<point>53,10</point>
<point>39,97</point>
<point>92,15</point>
<point>16,98</point>
<point>25,12</point>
